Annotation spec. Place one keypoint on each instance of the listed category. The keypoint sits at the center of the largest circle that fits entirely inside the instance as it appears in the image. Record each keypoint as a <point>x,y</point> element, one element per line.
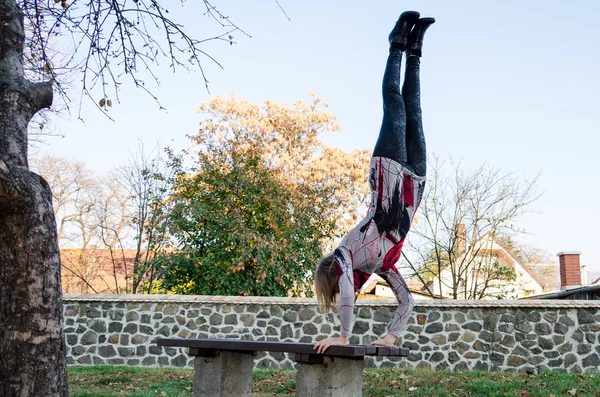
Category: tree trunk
<point>32,349</point>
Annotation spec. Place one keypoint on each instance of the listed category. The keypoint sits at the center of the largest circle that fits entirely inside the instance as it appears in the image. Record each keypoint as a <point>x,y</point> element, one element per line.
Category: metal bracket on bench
<point>308,358</point>
<point>200,352</point>
<point>392,351</point>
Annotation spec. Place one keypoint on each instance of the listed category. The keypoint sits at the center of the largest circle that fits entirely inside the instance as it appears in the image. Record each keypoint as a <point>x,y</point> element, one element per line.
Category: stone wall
<point>442,334</point>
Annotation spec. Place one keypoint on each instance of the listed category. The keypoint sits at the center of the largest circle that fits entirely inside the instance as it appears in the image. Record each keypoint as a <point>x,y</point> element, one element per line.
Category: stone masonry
<point>525,336</point>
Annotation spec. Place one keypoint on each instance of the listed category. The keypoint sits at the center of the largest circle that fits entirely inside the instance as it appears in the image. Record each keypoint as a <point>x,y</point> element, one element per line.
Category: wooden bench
<point>223,367</point>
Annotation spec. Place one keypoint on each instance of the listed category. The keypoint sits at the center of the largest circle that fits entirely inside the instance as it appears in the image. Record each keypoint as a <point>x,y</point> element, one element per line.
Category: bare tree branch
<point>111,40</point>
<point>461,213</point>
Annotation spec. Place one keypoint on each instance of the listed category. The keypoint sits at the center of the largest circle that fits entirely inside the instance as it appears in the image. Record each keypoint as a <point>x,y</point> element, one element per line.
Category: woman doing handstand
<point>397,179</point>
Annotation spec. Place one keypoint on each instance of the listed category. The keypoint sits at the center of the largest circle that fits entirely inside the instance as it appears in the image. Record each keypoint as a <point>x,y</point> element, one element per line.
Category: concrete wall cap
<point>251,300</point>
<point>568,253</point>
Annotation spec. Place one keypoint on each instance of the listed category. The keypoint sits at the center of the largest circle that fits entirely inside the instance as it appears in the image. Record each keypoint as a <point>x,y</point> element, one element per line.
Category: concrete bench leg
<point>225,374</point>
<point>335,377</point>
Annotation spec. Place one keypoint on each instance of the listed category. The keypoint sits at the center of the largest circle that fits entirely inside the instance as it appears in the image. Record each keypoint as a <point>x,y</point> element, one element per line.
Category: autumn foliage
<point>261,201</point>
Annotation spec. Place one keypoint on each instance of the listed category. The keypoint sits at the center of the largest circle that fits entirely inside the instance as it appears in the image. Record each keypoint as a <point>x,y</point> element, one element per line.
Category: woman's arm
<point>388,340</point>
<point>345,306</point>
<point>324,344</point>
<point>346,299</point>
<point>405,305</point>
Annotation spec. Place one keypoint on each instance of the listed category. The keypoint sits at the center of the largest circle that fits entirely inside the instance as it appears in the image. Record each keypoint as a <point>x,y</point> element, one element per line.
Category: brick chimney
<point>570,270</point>
<point>461,243</point>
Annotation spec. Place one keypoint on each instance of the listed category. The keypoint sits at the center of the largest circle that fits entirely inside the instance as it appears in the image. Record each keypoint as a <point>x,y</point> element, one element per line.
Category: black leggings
<point>401,136</point>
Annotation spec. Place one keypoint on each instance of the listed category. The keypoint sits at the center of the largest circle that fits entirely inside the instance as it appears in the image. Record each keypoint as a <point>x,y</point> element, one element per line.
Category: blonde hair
<point>326,282</point>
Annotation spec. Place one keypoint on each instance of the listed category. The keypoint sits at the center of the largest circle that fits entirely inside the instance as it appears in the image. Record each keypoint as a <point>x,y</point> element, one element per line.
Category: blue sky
<point>512,84</point>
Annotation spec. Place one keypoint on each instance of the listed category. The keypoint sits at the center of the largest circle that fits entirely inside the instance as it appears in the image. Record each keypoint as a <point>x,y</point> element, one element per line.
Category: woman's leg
<point>411,91</point>
<point>392,136</point>
<point>415,138</point>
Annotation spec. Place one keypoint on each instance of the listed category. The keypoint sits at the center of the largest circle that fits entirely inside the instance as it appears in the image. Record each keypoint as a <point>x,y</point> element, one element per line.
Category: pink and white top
<point>375,244</point>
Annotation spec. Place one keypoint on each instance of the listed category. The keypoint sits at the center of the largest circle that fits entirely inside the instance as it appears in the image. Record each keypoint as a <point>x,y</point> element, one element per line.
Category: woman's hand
<point>323,344</point>
<point>389,340</point>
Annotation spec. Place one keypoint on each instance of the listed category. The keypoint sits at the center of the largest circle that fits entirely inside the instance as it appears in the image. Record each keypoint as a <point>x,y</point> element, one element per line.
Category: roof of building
<point>414,286</point>
<point>513,256</point>
<point>595,289</point>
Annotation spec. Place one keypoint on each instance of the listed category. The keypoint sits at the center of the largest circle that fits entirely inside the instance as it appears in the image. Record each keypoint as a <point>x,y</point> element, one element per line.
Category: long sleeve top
<point>375,244</point>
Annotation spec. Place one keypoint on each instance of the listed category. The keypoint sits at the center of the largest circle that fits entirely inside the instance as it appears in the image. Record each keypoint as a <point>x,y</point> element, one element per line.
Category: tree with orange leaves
<point>262,201</point>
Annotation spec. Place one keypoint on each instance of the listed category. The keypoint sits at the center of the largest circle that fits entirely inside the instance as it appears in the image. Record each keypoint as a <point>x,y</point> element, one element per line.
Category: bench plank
<point>287,347</point>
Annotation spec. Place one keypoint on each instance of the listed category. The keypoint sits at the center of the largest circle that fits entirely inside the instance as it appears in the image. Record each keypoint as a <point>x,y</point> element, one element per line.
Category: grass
<point>119,381</point>
<point>122,381</point>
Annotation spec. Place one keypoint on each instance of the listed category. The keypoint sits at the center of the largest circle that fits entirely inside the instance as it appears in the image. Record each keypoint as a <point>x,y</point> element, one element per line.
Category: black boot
<point>415,40</point>
<point>399,36</point>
